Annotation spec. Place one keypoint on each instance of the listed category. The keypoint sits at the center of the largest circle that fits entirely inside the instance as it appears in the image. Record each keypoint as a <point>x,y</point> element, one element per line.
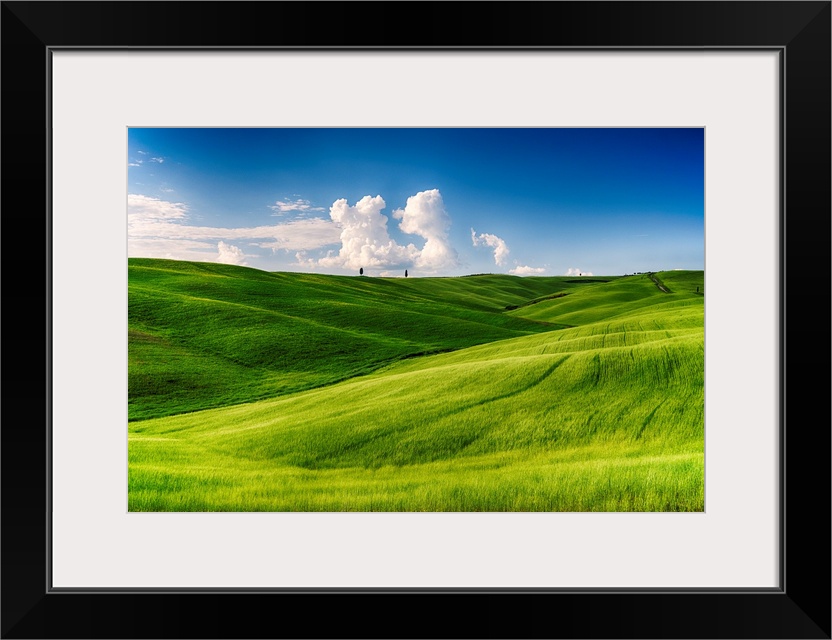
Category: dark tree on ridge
<point>405,273</point>
<point>361,271</point>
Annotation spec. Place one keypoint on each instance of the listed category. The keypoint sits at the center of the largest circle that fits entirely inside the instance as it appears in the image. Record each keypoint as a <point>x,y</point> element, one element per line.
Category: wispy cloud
<point>577,272</point>
<point>159,160</point>
<point>159,228</point>
<point>146,210</point>
<point>300,205</point>
<point>173,249</point>
<point>490,240</point>
<point>312,233</point>
<point>134,164</point>
<point>522,270</point>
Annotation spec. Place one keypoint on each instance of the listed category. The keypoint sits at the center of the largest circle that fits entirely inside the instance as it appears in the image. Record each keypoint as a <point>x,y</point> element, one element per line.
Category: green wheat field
<point>259,391</point>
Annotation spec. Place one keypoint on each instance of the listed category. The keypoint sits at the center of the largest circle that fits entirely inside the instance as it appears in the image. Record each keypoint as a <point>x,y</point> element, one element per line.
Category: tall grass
<point>605,416</point>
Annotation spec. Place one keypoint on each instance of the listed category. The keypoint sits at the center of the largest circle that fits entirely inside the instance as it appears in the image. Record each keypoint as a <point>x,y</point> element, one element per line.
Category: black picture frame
<point>800,608</point>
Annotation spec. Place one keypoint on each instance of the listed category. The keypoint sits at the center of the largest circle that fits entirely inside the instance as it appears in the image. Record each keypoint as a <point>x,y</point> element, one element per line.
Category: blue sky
<point>437,202</point>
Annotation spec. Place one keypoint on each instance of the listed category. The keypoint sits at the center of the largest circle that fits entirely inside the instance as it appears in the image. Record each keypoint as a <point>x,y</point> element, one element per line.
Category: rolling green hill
<point>205,335</point>
<point>581,396</point>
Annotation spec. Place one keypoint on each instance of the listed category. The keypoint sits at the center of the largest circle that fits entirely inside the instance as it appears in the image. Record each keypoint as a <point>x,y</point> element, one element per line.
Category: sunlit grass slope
<point>206,335</point>
<point>617,298</point>
<point>607,415</point>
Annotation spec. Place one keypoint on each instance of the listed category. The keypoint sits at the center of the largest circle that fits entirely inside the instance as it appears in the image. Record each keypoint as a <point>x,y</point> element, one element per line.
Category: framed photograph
<point>490,316</point>
<point>396,359</point>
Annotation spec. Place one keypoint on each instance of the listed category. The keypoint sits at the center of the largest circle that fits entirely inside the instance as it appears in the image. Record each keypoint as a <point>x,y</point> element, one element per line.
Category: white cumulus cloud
<point>366,241</point>
<point>577,272</point>
<point>424,215</point>
<point>522,270</point>
<point>229,254</point>
<point>490,240</point>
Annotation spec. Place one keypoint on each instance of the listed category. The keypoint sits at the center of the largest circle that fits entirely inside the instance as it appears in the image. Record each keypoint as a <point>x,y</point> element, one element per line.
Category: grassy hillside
<point>604,415</point>
<point>206,335</point>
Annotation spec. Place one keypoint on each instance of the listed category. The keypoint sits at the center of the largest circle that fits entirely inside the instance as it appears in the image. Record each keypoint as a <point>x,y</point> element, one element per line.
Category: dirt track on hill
<point>658,283</point>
